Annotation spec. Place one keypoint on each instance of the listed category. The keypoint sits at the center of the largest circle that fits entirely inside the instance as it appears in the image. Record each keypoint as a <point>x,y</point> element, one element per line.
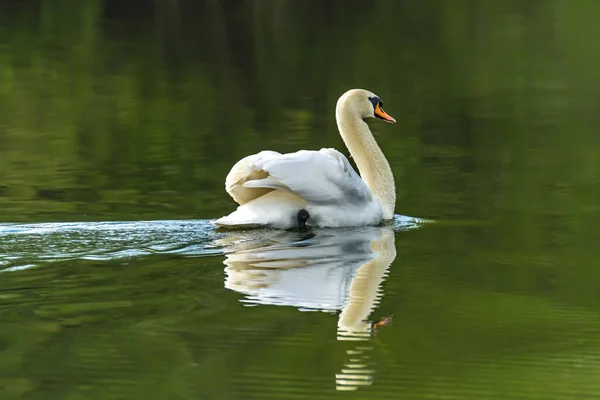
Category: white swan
<point>285,190</point>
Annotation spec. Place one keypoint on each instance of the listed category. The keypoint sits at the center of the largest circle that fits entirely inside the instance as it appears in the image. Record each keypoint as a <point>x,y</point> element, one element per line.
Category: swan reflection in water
<point>329,270</point>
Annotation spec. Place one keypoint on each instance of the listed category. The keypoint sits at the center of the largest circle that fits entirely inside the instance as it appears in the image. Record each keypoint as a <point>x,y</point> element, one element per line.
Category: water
<point>120,120</point>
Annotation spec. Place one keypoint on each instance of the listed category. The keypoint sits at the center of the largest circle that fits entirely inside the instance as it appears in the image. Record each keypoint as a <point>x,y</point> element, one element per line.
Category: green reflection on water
<point>137,112</point>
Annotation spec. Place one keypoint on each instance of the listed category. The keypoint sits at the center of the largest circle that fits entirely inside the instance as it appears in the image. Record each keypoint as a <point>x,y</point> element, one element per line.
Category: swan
<point>318,188</point>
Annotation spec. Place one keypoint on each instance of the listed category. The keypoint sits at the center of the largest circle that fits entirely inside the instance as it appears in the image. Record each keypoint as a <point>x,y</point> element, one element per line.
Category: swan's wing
<point>247,170</point>
<point>320,177</point>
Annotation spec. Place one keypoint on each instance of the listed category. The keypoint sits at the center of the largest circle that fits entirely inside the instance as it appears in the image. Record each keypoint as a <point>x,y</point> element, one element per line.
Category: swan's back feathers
<point>319,177</point>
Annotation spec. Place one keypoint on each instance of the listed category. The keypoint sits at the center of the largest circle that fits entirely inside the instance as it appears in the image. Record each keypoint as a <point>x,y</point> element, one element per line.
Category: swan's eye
<point>375,100</point>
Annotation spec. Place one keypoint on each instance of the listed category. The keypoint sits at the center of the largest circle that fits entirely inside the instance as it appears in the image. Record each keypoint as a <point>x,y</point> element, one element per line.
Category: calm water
<point>119,121</point>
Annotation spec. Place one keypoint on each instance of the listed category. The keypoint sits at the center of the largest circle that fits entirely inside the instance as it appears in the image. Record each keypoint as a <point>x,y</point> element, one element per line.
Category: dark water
<point>119,121</point>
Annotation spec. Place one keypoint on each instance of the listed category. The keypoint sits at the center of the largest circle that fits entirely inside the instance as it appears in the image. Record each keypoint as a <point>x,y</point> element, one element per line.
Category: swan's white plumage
<point>243,171</point>
<point>319,177</point>
<point>271,188</point>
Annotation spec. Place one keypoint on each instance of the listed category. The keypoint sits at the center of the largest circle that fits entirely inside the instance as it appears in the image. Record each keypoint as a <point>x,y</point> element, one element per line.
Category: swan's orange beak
<point>383,115</point>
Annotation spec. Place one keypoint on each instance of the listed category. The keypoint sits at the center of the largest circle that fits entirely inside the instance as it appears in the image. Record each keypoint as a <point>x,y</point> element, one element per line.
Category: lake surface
<point>120,120</point>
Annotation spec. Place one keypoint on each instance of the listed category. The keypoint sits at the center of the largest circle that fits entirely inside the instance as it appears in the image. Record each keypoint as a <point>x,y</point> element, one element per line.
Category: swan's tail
<point>231,222</point>
<point>275,209</point>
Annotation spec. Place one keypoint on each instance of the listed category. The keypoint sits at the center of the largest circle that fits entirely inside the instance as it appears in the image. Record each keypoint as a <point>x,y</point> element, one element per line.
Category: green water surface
<point>119,121</point>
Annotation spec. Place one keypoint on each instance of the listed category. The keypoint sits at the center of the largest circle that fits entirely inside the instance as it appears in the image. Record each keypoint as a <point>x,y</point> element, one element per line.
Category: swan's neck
<point>372,164</point>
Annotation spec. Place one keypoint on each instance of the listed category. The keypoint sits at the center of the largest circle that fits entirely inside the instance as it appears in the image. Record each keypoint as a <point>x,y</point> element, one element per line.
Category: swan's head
<point>363,103</point>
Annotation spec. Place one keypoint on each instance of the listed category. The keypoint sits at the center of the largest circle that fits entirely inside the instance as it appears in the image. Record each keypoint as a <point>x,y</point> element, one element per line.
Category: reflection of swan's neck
<point>370,160</point>
<point>364,290</point>
<point>363,296</point>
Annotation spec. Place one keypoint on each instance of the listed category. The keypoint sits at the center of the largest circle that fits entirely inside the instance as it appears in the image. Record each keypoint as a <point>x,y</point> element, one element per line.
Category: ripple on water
<point>27,245</point>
